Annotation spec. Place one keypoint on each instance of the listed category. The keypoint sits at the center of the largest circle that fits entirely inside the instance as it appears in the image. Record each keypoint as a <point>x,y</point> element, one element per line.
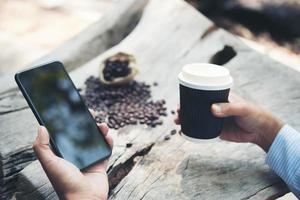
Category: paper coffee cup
<point>201,85</point>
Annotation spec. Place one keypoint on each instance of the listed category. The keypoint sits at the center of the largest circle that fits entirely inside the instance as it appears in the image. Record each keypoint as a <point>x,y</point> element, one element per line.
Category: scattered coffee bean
<point>173,132</point>
<point>164,114</point>
<point>123,105</point>
<point>128,145</point>
<point>159,122</point>
<point>172,112</point>
<point>155,84</point>
<point>167,137</point>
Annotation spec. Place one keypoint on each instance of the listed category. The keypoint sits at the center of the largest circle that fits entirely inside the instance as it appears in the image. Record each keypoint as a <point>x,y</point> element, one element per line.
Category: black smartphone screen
<point>58,106</point>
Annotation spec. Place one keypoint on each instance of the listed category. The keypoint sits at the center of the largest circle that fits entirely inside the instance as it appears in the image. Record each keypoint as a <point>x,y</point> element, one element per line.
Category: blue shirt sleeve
<point>284,157</point>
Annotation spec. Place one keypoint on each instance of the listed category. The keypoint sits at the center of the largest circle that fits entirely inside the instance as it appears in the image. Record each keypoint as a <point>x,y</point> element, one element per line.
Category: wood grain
<point>18,126</point>
<point>168,37</point>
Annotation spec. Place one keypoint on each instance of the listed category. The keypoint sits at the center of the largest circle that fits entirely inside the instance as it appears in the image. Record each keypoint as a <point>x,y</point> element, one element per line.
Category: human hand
<point>67,180</point>
<point>245,122</point>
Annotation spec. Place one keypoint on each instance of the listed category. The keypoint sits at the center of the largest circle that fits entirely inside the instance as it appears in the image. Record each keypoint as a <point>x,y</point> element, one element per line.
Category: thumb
<point>230,109</point>
<point>42,149</point>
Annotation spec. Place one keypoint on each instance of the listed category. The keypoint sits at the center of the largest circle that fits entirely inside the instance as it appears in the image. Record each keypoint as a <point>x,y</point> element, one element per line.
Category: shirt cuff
<point>284,154</point>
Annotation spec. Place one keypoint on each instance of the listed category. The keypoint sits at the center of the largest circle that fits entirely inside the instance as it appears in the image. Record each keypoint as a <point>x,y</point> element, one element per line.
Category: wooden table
<point>170,34</point>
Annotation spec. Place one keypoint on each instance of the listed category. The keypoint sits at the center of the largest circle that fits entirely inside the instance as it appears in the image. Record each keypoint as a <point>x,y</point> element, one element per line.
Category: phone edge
<point>35,113</point>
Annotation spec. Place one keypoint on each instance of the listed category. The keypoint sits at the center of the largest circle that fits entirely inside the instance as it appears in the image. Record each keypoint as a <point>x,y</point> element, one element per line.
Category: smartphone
<point>57,105</point>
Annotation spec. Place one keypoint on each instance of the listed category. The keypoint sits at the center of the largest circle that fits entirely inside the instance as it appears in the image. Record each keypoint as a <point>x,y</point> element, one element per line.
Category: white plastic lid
<point>205,76</point>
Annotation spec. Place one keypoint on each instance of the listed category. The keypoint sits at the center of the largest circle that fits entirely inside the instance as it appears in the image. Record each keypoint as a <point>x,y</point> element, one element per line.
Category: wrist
<point>83,197</point>
<point>271,125</point>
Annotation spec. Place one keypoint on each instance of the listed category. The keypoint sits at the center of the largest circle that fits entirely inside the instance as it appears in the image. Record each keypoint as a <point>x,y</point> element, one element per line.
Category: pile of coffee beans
<point>116,68</point>
<point>122,105</point>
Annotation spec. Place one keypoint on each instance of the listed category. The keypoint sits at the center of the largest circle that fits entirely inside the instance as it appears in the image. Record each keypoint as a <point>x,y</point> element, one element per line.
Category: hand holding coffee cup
<point>200,86</point>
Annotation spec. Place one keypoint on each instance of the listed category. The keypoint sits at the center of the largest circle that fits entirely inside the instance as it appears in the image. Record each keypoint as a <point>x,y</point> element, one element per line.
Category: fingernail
<point>41,130</point>
<point>217,108</point>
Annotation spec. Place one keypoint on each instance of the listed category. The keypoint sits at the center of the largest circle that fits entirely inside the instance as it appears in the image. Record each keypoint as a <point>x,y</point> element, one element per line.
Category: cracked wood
<point>177,169</point>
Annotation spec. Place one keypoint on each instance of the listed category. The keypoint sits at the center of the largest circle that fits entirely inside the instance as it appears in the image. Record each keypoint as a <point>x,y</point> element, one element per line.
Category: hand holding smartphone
<point>58,106</point>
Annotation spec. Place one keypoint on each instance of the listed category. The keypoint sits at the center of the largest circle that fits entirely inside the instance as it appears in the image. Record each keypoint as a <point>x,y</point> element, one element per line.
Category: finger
<point>230,109</point>
<point>177,121</point>
<point>103,128</point>
<point>110,141</point>
<point>93,113</point>
<point>42,149</point>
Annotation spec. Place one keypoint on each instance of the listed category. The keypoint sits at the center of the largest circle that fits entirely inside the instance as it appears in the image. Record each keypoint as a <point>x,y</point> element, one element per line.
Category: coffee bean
<point>167,137</point>
<point>128,145</point>
<point>173,132</point>
<point>153,124</point>
<point>159,122</point>
<point>164,114</point>
<point>172,112</point>
<point>124,104</point>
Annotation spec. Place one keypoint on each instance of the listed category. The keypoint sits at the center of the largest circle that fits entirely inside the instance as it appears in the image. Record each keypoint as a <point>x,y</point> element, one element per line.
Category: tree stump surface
<point>18,125</point>
<point>169,35</point>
